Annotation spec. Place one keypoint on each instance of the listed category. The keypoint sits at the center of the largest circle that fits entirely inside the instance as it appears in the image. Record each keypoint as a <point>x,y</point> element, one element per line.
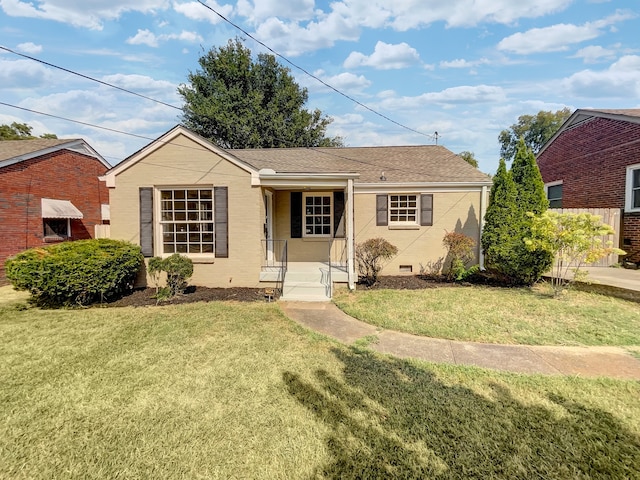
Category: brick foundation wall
<point>62,175</point>
<point>591,159</point>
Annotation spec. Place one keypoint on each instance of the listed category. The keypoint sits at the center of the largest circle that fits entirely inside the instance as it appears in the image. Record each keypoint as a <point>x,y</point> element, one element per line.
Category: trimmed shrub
<point>460,251</point>
<point>76,273</point>
<point>370,255</point>
<point>178,269</point>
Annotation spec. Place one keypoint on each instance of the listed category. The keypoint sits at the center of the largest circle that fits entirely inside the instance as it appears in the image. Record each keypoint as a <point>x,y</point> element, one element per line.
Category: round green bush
<point>76,273</point>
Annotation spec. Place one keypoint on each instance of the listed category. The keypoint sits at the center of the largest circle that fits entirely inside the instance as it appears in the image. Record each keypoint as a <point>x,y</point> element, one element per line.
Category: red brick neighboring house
<point>593,161</point>
<point>49,192</point>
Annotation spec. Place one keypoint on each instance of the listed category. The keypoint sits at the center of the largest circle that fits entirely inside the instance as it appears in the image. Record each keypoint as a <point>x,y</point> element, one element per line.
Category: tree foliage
<point>20,131</point>
<point>517,196</point>
<point>460,251</point>
<point>469,157</point>
<point>574,239</point>
<point>534,129</point>
<point>237,102</point>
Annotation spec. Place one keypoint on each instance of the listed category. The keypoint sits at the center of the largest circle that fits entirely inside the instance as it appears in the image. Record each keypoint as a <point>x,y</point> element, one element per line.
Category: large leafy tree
<point>469,157</point>
<point>535,129</point>
<point>238,102</point>
<point>19,131</point>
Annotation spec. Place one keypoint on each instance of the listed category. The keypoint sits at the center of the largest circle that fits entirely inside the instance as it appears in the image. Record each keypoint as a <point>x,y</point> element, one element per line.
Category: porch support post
<point>350,235</point>
<point>483,211</point>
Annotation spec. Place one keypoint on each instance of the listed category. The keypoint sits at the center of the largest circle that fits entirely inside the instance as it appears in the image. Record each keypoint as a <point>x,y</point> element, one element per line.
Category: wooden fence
<point>611,216</point>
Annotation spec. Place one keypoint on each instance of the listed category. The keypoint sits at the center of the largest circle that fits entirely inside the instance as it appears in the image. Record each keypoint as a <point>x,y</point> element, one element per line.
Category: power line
<point>306,72</point>
<point>89,78</point>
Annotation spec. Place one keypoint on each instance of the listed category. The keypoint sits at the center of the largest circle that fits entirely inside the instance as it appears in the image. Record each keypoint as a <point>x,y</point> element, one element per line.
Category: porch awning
<point>59,209</point>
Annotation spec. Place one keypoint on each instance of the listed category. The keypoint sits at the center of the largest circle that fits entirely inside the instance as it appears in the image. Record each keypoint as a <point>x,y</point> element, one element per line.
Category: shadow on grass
<point>391,419</point>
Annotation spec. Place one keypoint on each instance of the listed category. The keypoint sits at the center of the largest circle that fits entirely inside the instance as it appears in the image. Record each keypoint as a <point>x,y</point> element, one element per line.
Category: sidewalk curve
<point>326,318</point>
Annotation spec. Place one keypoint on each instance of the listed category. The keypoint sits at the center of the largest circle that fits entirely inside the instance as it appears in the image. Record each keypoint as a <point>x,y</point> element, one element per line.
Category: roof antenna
<point>435,136</point>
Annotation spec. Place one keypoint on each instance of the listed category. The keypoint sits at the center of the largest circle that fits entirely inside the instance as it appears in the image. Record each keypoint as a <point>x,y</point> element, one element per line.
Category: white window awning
<point>59,209</point>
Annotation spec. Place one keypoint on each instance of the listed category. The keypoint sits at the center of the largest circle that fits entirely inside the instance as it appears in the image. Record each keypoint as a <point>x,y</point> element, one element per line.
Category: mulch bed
<point>146,296</point>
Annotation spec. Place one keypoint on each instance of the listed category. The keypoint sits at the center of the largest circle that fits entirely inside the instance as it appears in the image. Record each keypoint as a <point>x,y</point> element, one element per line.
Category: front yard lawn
<point>498,315</point>
<point>236,390</point>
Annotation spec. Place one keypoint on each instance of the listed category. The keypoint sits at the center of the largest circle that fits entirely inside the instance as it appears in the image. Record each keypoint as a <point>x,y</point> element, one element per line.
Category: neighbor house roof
<point>582,115</point>
<point>14,151</point>
<point>406,164</point>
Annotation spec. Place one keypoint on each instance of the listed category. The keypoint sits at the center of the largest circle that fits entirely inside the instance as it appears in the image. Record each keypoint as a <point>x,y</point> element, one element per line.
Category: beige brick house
<point>260,217</point>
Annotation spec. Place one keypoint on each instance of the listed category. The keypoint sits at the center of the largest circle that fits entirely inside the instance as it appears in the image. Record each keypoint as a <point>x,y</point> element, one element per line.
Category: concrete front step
<point>305,291</point>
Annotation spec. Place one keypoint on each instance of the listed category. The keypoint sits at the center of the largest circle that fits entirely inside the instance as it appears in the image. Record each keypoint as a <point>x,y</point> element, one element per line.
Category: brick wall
<point>62,175</point>
<point>591,159</point>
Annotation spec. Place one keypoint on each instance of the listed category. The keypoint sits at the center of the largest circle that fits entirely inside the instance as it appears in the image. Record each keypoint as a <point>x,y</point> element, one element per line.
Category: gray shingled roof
<point>15,148</point>
<point>413,164</point>
<point>629,112</point>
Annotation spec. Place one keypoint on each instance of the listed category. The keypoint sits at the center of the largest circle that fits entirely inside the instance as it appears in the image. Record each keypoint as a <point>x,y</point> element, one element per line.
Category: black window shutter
<point>221,220</point>
<point>426,209</point>
<point>338,214</point>
<point>146,221</point>
<point>296,214</point>
<point>382,218</point>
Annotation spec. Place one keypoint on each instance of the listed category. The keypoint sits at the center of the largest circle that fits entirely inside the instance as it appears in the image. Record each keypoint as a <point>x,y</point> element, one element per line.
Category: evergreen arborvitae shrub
<point>498,238</point>
<point>76,273</point>
<point>507,224</point>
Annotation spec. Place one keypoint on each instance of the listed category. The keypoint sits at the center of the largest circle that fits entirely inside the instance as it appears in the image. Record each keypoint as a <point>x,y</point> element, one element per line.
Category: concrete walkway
<point>328,319</point>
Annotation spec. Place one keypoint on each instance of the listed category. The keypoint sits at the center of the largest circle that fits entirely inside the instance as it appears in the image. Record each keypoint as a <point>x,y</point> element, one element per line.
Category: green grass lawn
<point>499,315</point>
<point>231,390</point>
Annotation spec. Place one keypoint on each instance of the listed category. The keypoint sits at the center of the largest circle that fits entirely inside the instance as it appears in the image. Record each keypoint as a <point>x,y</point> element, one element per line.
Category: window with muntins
<point>317,215</point>
<point>186,220</point>
<point>403,209</point>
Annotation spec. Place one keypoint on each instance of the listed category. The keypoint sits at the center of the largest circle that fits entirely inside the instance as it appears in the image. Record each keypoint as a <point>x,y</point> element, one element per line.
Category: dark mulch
<point>146,296</point>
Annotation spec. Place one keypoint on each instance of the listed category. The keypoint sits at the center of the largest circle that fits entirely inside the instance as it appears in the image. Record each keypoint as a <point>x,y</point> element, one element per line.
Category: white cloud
<point>20,74</point>
<point>594,54</point>
<point>385,57</point>
<point>258,10</point>
<point>620,80</point>
<point>345,81</point>
<point>447,97</point>
<point>293,39</point>
<point>29,47</point>
<point>78,13</point>
<point>195,11</point>
<point>462,63</point>
<point>146,37</point>
<point>141,83</point>
<point>558,37</point>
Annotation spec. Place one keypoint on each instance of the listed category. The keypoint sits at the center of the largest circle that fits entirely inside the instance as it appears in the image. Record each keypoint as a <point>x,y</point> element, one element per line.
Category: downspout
<point>483,211</point>
<point>350,238</point>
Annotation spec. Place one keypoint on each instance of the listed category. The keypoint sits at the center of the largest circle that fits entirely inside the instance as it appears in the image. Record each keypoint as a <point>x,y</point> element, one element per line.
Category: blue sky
<point>464,68</point>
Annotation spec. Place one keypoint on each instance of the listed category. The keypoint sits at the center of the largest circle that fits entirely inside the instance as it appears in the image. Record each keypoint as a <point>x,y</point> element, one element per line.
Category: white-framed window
<point>56,227</point>
<point>186,220</point>
<point>317,214</point>
<point>403,209</point>
<point>554,194</point>
<point>632,193</point>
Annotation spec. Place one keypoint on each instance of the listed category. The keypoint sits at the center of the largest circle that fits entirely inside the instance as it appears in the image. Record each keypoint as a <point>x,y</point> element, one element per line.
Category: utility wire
<point>306,72</point>
<point>88,78</point>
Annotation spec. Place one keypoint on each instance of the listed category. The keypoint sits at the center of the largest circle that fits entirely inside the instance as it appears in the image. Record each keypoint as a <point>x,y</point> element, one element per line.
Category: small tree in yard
<point>178,269</point>
<point>370,255</point>
<point>460,248</point>
<point>574,240</point>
